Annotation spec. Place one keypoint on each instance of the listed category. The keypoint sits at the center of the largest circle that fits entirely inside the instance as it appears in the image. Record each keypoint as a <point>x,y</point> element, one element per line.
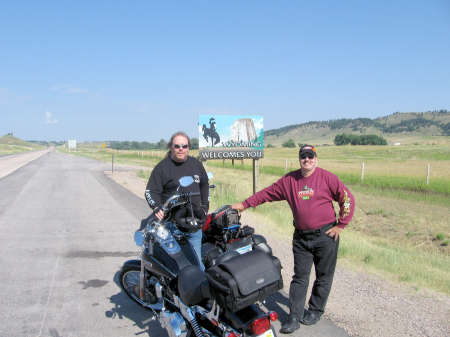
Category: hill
<point>10,144</point>
<point>13,141</point>
<point>406,128</point>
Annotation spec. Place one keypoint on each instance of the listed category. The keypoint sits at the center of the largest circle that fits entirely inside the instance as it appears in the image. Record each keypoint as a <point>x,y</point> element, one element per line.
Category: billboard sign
<point>72,144</point>
<point>230,137</point>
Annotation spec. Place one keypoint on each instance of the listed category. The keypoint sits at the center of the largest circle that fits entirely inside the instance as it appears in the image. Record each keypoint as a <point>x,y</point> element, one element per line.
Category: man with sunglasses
<point>310,192</point>
<point>164,180</point>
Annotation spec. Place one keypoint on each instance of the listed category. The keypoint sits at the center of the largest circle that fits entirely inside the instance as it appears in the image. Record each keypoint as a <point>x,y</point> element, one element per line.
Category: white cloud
<point>258,123</point>
<point>48,118</point>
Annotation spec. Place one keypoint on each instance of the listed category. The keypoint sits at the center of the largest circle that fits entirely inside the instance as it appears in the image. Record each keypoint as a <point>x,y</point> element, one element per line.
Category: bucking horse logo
<point>211,132</point>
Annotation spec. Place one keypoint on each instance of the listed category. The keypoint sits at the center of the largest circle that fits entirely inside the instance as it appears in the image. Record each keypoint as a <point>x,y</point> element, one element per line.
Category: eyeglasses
<point>177,146</point>
<point>309,156</point>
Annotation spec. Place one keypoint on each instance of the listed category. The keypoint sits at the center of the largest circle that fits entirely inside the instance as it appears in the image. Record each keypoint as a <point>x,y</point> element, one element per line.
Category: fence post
<point>428,174</point>
<point>362,173</point>
<point>285,167</point>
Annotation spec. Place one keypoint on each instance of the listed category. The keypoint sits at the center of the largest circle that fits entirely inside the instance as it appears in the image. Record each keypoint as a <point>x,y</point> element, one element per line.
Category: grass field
<point>11,145</point>
<point>401,226</point>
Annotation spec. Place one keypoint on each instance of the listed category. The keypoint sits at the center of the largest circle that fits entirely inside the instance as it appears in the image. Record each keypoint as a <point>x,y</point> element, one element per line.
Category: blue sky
<point>142,70</point>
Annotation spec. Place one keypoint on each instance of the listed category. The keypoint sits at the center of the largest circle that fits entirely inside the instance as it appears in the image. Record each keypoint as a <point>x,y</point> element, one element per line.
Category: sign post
<point>232,137</point>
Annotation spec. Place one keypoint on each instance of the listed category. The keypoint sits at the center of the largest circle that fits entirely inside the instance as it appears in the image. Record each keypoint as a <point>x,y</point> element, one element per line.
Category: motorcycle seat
<point>193,285</point>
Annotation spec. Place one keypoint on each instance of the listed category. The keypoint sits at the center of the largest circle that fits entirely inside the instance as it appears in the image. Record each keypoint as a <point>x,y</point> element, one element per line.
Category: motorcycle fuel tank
<point>168,254</point>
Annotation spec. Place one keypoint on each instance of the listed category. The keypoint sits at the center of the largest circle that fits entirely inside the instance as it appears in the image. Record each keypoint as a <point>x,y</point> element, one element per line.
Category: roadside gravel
<point>362,304</point>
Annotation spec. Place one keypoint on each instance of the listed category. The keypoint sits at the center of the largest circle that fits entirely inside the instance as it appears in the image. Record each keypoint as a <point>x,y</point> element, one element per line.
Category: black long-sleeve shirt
<point>165,177</point>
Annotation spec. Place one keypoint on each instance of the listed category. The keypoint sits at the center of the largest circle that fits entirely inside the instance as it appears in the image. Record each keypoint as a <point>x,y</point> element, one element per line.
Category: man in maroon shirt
<point>310,191</point>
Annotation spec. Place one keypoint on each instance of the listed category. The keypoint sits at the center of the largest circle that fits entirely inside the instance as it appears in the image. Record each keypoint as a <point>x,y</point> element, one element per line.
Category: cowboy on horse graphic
<point>211,132</point>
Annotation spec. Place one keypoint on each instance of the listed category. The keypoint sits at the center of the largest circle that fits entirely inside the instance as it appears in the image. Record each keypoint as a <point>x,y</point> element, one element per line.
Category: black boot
<point>291,325</point>
<point>310,319</point>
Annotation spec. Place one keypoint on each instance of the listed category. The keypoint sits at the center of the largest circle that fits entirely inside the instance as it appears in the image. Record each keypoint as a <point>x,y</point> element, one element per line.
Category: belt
<point>316,231</point>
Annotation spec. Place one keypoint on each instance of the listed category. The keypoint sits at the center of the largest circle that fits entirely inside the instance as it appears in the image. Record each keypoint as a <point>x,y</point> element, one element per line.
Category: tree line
<point>410,125</point>
<point>345,139</point>
<point>134,145</point>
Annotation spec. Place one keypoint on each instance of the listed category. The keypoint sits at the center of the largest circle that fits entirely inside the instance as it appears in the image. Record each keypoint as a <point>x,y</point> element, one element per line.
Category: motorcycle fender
<point>136,263</point>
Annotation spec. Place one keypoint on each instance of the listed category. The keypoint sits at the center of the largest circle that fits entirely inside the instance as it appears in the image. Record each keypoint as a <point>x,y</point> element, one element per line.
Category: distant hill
<point>13,141</point>
<point>409,127</point>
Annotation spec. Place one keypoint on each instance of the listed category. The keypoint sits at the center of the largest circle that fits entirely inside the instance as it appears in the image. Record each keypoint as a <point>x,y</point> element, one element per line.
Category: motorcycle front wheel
<point>129,278</point>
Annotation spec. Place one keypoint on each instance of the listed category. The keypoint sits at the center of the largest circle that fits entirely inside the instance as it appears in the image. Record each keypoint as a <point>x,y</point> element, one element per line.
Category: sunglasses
<point>177,146</point>
<point>309,156</point>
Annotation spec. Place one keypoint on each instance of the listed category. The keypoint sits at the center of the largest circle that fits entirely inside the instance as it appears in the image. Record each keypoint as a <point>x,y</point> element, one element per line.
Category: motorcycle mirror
<point>139,238</point>
<point>210,175</point>
<point>186,181</point>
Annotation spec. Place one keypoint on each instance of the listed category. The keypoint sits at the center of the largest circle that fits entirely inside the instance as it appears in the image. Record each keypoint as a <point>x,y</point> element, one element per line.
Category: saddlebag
<point>245,279</point>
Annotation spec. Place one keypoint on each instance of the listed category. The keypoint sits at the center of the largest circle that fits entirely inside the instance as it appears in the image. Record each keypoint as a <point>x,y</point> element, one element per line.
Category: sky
<point>142,70</point>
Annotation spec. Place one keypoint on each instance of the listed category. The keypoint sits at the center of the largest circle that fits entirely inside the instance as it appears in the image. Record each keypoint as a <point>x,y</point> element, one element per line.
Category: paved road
<point>65,231</point>
<point>12,162</point>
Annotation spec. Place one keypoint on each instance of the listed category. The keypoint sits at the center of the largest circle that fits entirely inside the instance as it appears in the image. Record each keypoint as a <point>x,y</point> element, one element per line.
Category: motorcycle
<point>226,299</point>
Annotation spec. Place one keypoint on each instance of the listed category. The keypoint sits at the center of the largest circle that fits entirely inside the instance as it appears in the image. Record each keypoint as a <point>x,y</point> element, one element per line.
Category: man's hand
<point>239,207</point>
<point>159,213</point>
<point>334,232</point>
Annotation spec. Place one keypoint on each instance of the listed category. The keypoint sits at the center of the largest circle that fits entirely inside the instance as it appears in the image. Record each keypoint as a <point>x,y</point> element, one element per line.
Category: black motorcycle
<point>225,300</point>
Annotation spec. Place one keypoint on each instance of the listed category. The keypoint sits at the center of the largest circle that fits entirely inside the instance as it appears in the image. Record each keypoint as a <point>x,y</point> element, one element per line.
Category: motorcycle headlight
<point>139,238</point>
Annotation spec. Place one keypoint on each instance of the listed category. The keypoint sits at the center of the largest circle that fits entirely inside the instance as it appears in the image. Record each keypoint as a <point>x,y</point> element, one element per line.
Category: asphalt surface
<point>11,162</point>
<point>65,231</point>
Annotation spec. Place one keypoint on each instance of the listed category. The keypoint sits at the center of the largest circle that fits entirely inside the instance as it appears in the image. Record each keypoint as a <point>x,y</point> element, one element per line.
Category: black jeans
<point>308,248</point>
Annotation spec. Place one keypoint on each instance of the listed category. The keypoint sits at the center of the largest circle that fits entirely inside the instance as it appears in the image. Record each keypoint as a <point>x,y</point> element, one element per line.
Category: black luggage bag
<point>245,279</point>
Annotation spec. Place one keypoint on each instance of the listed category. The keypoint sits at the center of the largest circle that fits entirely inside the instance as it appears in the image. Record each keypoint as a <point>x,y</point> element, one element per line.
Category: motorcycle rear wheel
<point>129,277</point>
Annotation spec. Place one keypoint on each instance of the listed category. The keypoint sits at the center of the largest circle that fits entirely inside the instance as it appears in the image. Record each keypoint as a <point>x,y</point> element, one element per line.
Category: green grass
<point>440,236</point>
<point>397,261</point>
<point>399,185</point>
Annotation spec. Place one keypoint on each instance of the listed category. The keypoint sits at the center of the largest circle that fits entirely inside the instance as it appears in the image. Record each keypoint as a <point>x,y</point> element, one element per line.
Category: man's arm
<point>154,189</point>
<point>346,201</point>
<point>274,192</point>
<point>204,191</point>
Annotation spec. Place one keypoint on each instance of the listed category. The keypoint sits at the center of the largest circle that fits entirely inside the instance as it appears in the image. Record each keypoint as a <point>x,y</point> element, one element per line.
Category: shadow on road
<point>125,307</point>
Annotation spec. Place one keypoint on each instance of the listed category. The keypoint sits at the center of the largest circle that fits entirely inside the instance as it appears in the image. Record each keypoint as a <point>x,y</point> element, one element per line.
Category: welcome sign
<point>230,137</point>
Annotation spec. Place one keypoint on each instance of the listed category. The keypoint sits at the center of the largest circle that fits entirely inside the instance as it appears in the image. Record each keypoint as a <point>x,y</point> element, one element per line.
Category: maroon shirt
<point>311,198</point>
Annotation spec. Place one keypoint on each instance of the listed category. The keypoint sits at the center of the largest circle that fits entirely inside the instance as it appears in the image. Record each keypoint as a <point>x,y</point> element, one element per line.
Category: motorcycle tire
<point>129,277</point>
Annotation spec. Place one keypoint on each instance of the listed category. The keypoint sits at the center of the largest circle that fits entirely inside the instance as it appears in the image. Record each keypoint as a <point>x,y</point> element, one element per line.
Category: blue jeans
<point>195,239</point>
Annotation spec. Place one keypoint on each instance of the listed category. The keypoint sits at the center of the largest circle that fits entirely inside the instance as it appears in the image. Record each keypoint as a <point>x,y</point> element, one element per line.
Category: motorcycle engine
<point>174,323</point>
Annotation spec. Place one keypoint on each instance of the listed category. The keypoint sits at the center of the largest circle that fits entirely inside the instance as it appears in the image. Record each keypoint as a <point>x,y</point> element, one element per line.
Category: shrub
<point>440,236</point>
<point>288,143</point>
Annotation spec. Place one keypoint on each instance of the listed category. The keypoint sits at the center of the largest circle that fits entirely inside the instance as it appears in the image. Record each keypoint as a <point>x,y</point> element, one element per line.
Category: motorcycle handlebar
<point>177,196</point>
